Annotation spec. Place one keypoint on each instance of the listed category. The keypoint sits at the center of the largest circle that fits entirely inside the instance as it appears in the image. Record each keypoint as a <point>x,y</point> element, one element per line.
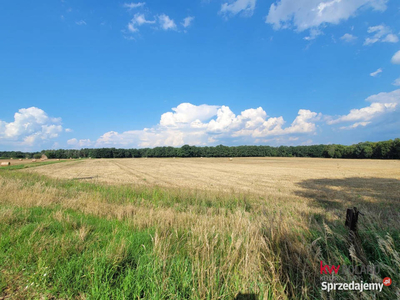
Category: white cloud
<point>80,143</point>
<point>205,124</point>
<point>138,20</point>
<point>391,38</point>
<point>186,113</point>
<point>31,126</point>
<point>396,58</point>
<point>391,97</point>
<point>396,82</point>
<point>374,74</point>
<point>133,5</point>
<point>68,130</point>
<point>307,14</point>
<point>187,21</point>
<point>314,32</point>
<point>365,113</point>
<point>355,125</point>
<point>382,104</point>
<point>81,22</point>
<point>347,37</point>
<point>245,7</point>
<point>382,33</point>
<point>166,23</point>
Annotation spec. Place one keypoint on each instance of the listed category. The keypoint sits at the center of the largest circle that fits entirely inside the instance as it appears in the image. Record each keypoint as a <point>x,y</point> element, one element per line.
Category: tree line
<point>380,150</point>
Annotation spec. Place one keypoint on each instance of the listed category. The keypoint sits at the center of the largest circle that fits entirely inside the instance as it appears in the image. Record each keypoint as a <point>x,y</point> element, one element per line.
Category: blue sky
<point>152,73</point>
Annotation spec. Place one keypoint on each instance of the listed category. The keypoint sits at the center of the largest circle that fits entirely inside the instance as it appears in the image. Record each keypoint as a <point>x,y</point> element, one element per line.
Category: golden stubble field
<point>305,177</point>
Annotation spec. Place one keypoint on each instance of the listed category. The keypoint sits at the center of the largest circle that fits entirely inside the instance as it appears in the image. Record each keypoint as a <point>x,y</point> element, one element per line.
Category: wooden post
<point>352,219</point>
<point>354,239</point>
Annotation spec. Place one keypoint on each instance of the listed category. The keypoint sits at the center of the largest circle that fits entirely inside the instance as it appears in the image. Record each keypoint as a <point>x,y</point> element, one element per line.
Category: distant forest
<point>382,150</point>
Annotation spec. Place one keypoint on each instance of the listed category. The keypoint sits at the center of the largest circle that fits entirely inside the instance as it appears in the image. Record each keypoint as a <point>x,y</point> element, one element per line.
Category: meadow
<point>195,228</point>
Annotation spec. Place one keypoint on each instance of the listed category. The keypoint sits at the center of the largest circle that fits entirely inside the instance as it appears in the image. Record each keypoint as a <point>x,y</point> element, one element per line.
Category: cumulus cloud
<point>365,113</point>
<point>381,33</point>
<point>396,82</point>
<point>382,104</point>
<point>310,14</point>
<point>68,130</point>
<point>187,21</point>
<point>244,7</point>
<point>396,58</point>
<point>31,126</point>
<point>347,37</point>
<point>210,124</point>
<point>374,74</point>
<point>186,113</point>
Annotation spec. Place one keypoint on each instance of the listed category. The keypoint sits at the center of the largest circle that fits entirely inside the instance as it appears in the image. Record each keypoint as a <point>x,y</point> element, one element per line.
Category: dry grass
<point>273,248</point>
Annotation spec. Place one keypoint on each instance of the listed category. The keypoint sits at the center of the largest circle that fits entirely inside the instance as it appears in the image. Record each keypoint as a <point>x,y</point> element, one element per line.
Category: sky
<point>79,74</point>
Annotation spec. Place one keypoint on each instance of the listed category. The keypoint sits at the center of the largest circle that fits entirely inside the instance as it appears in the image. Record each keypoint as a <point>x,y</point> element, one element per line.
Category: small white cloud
<point>355,125</point>
<point>374,74</point>
<point>81,22</point>
<point>80,143</point>
<point>347,37</point>
<point>245,7</point>
<point>187,21</point>
<point>68,130</point>
<point>73,141</point>
<point>382,33</point>
<point>166,23</point>
<point>396,82</point>
<point>314,32</point>
<point>391,38</point>
<point>133,5</point>
<point>396,58</point>
<point>138,20</point>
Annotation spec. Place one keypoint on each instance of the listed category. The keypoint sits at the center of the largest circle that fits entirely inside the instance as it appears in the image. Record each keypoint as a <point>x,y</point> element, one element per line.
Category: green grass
<point>44,254</point>
<point>29,165</point>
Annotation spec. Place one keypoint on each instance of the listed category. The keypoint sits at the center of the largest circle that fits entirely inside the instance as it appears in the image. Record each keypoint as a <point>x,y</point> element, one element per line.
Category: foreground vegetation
<point>381,150</point>
<point>68,239</point>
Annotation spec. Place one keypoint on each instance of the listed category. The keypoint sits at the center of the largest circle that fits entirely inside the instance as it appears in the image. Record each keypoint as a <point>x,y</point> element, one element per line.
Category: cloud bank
<point>31,126</point>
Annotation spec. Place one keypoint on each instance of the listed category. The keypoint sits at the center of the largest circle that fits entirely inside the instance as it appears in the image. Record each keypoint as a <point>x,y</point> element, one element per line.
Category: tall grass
<point>69,239</point>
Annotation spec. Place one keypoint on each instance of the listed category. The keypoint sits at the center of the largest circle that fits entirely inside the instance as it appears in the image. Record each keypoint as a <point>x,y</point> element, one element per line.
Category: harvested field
<point>243,175</point>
